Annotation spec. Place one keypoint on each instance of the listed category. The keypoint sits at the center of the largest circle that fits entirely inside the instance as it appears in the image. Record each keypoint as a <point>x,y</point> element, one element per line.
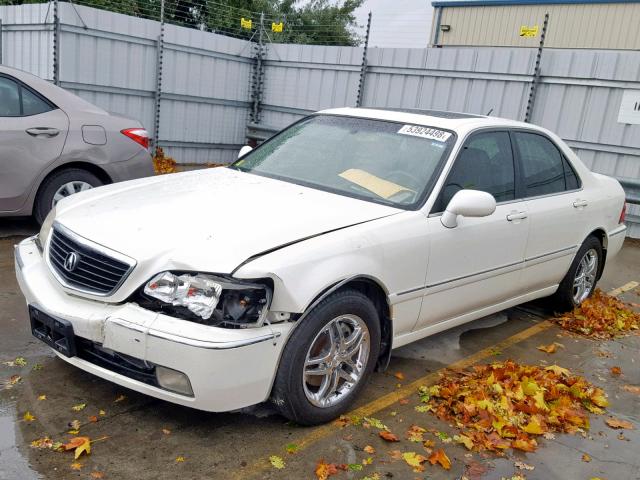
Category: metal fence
<point>197,91</point>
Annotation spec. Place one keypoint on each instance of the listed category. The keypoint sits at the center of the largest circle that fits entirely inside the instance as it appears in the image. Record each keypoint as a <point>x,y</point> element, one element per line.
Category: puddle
<point>12,464</point>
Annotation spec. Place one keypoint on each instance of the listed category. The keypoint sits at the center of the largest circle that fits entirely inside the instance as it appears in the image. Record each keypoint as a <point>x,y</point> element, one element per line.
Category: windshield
<point>375,160</point>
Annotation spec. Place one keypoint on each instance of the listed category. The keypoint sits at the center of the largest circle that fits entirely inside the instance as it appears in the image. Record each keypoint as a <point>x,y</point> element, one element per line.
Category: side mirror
<point>468,203</point>
<point>244,150</point>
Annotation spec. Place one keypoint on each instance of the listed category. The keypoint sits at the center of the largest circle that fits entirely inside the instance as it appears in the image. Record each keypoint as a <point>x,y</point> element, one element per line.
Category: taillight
<point>138,135</point>
<point>623,213</point>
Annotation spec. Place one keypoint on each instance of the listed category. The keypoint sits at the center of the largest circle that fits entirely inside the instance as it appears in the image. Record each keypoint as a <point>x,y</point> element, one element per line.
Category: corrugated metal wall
<point>603,25</point>
<point>27,38</point>
<point>206,98</point>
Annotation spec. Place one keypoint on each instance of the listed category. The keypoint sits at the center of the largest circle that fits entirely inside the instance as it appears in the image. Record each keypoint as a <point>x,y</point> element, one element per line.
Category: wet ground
<point>140,437</point>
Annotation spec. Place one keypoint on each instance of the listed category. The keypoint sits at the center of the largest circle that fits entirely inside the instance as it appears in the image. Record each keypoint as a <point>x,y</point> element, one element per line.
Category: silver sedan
<point>54,144</point>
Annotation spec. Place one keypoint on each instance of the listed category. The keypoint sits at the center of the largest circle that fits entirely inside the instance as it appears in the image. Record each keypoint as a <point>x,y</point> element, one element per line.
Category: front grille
<point>92,270</point>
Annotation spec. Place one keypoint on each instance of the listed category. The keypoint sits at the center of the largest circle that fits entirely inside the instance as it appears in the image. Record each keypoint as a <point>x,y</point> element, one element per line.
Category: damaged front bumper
<point>126,344</point>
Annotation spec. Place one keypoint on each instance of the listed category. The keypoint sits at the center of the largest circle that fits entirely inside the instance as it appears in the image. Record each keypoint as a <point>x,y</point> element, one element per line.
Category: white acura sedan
<point>295,271</point>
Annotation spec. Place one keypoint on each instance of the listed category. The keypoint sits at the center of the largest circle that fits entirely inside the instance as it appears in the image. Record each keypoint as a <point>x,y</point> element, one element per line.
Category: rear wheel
<point>580,281</point>
<point>60,185</point>
<point>328,359</point>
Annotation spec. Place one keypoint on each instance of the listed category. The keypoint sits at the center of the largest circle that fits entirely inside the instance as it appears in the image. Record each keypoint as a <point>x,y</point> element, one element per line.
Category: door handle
<point>580,203</point>
<point>516,216</point>
<point>43,131</point>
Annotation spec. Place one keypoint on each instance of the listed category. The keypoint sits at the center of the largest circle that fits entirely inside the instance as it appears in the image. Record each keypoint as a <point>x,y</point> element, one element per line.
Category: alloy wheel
<point>585,277</point>
<point>336,360</point>
<point>69,188</point>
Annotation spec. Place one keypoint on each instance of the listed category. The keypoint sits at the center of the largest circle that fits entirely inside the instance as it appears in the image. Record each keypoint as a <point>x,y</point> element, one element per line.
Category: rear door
<point>557,208</point>
<point>32,135</point>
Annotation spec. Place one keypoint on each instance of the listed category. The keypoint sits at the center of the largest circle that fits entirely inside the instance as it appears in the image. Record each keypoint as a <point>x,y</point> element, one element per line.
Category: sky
<point>397,23</point>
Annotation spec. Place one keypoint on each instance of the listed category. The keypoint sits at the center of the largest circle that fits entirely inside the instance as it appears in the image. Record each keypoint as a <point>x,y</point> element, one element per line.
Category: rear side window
<point>17,100</point>
<point>571,178</point>
<point>32,104</point>
<point>9,98</point>
<point>543,166</point>
<point>485,163</point>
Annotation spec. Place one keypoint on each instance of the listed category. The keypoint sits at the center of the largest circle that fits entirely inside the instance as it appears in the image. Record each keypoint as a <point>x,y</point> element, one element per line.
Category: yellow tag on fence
<point>277,27</point>
<point>526,31</point>
<point>246,23</point>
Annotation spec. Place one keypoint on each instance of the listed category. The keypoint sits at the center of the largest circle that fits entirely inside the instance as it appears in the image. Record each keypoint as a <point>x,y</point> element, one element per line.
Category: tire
<point>49,187</point>
<point>292,388</point>
<point>565,297</point>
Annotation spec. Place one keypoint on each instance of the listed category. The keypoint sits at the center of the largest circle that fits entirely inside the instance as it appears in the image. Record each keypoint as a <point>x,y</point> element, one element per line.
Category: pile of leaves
<point>163,164</point>
<point>601,316</point>
<point>507,405</point>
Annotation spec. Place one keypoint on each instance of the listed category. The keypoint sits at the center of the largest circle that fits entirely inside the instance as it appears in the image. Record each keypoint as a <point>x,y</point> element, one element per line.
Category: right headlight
<point>208,298</point>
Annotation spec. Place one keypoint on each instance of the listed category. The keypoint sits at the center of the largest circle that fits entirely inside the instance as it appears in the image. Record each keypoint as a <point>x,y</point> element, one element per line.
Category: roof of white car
<point>433,118</point>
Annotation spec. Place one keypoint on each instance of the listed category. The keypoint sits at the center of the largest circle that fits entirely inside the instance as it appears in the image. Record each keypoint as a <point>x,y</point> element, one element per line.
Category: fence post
<point>536,71</point>
<point>158,91</point>
<point>363,66</point>
<point>258,75</point>
<point>56,44</point>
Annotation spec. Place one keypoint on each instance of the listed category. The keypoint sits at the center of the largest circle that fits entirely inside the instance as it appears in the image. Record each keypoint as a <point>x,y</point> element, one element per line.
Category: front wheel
<point>580,281</point>
<point>328,359</point>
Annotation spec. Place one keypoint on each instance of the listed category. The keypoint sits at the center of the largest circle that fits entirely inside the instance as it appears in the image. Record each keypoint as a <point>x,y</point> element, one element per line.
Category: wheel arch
<point>373,289</point>
<point>602,237</point>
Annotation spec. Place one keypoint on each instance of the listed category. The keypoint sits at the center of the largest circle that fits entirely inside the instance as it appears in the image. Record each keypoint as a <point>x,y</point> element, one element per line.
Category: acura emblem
<point>71,262</point>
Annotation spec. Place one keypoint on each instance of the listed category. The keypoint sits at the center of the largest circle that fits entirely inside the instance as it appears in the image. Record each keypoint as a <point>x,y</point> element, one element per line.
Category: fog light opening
<point>174,381</point>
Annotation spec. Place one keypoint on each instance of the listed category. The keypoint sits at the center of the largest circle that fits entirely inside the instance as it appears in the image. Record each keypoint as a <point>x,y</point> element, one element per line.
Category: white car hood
<point>209,220</point>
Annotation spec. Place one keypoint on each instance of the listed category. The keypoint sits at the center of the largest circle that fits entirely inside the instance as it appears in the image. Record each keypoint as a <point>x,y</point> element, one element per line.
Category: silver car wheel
<point>585,277</point>
<point>336,360</point>
<point>69,188</point>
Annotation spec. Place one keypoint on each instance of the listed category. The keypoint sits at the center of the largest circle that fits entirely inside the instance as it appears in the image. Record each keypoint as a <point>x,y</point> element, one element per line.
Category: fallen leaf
<point>414,434</point>
<point>180,459</point>
<point>374,422</point>
<point>73,432</point>
<point>399,375</point>
<point>102,413</point>
<point>93,418</point>
<point>403,401</point>
<point>616,423</point>
<point>551,348</point>
<point>465,440</point>
<point>388,436</point>
<point>438,456</point>
<point>42,397</point>
<point>616,371</point>
<point>395,454</point>
<point>166,431</point>
<point>367,461</point>
<point>79,444</point>
<point>523,466</point>
<point>80,406</point>
<point>355,467</point>
<point>324,470</point>
<point>76,466</point>
<point>27,417</point>
<point>119,399</point>
<point>586,457</point>
<point>75,424</point>
<point>414,460</point>
<point>96,474</point>
<point>44,442</point>
<point>291,448</point>
<point>632,389</point>
<point>276,462</point>
<point>369,449</point>
<point>36,367</point>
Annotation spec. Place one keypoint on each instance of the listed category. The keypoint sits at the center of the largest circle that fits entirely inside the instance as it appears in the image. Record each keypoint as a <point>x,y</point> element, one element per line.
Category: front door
<point>478,263</point>
<point>32,135</point>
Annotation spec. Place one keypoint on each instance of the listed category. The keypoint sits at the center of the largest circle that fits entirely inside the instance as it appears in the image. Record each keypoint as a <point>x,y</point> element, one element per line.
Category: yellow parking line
<point>389,399</point>
<point>624,288</point>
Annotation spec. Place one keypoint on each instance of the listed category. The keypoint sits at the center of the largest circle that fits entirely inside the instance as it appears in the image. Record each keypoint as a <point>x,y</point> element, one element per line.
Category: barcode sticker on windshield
<point>425,132</point>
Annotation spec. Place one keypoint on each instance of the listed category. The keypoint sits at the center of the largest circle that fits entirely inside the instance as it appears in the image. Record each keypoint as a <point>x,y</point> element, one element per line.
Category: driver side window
<point>485,163</point>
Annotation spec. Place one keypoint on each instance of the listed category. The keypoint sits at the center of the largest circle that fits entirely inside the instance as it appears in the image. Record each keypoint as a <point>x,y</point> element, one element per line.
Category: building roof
<point>485,3</point>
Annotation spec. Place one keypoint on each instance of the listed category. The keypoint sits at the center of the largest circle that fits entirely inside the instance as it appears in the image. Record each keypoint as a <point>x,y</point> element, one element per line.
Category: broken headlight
<point>209,299</point>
